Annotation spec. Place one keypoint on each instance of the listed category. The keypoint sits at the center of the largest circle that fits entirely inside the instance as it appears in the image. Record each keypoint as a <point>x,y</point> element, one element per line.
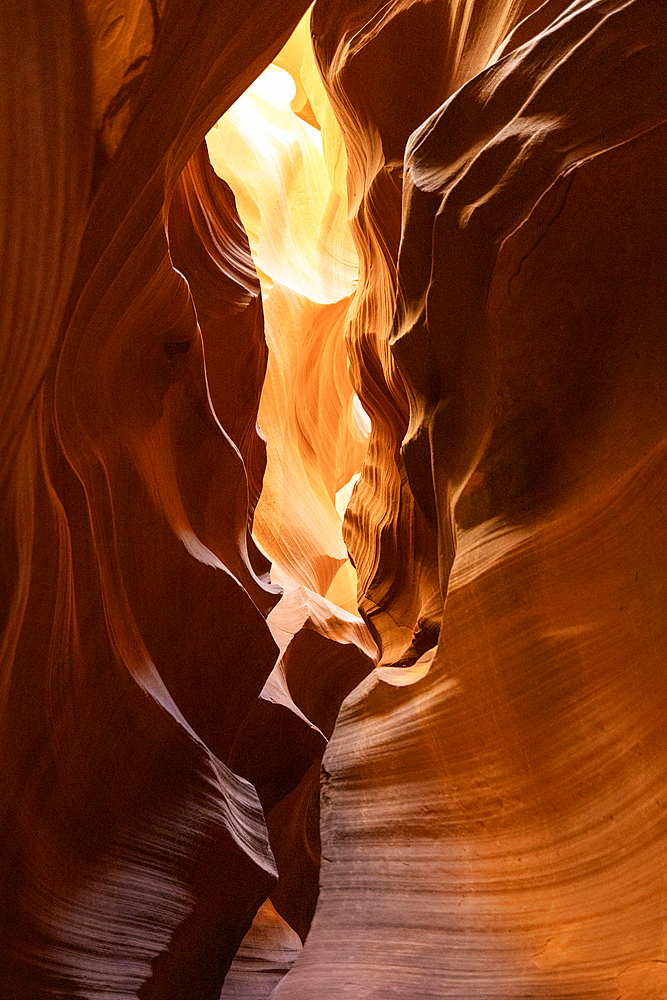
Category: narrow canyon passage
<point>333,484</point>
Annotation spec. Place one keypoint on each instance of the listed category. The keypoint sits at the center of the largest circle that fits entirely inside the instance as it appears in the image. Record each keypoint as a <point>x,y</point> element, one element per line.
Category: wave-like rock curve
<point>400,297</point>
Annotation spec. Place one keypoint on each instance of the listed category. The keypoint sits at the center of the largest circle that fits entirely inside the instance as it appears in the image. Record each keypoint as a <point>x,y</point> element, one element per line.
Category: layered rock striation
<point>306,315</point>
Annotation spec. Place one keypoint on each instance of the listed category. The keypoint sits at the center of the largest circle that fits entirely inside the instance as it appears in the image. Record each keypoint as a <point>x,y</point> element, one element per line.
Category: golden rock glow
<point>295,219</point>
<point>463,793</point>
<point>288,179</point>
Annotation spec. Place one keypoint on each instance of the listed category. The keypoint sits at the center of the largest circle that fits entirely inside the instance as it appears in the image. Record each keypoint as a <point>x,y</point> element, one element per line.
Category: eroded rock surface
<point>404,302</point>
<point>133,858</point>
<point>517,805</point>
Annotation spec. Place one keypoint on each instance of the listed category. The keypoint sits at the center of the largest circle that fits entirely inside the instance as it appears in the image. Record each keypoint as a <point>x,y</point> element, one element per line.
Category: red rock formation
<point>391,546</point>
<point>132,591</point>
<point>492,806</point>
<point>490,827</point>
<point>208,245</point>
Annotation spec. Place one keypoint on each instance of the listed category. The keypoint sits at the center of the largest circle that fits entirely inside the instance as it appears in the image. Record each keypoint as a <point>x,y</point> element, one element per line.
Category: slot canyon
<point>334,476</point>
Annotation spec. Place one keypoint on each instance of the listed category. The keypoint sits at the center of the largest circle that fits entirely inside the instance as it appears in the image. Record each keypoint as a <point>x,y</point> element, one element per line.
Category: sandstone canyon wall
<point>334,365</point>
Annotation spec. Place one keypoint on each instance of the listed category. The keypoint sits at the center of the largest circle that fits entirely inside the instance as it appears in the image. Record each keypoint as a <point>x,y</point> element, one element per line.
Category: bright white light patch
<point>274,163</point>
<point>343,496</point>
<point>275,87</point>
<point>360,415</point>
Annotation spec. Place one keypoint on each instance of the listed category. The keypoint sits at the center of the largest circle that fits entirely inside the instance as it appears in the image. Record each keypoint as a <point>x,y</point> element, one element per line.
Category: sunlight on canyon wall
<point>334,439</point>
<point>288,178</point>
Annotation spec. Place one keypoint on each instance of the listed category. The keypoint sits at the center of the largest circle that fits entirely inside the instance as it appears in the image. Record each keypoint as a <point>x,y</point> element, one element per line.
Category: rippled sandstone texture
<point>493,800</point>
<point>513,844</point>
